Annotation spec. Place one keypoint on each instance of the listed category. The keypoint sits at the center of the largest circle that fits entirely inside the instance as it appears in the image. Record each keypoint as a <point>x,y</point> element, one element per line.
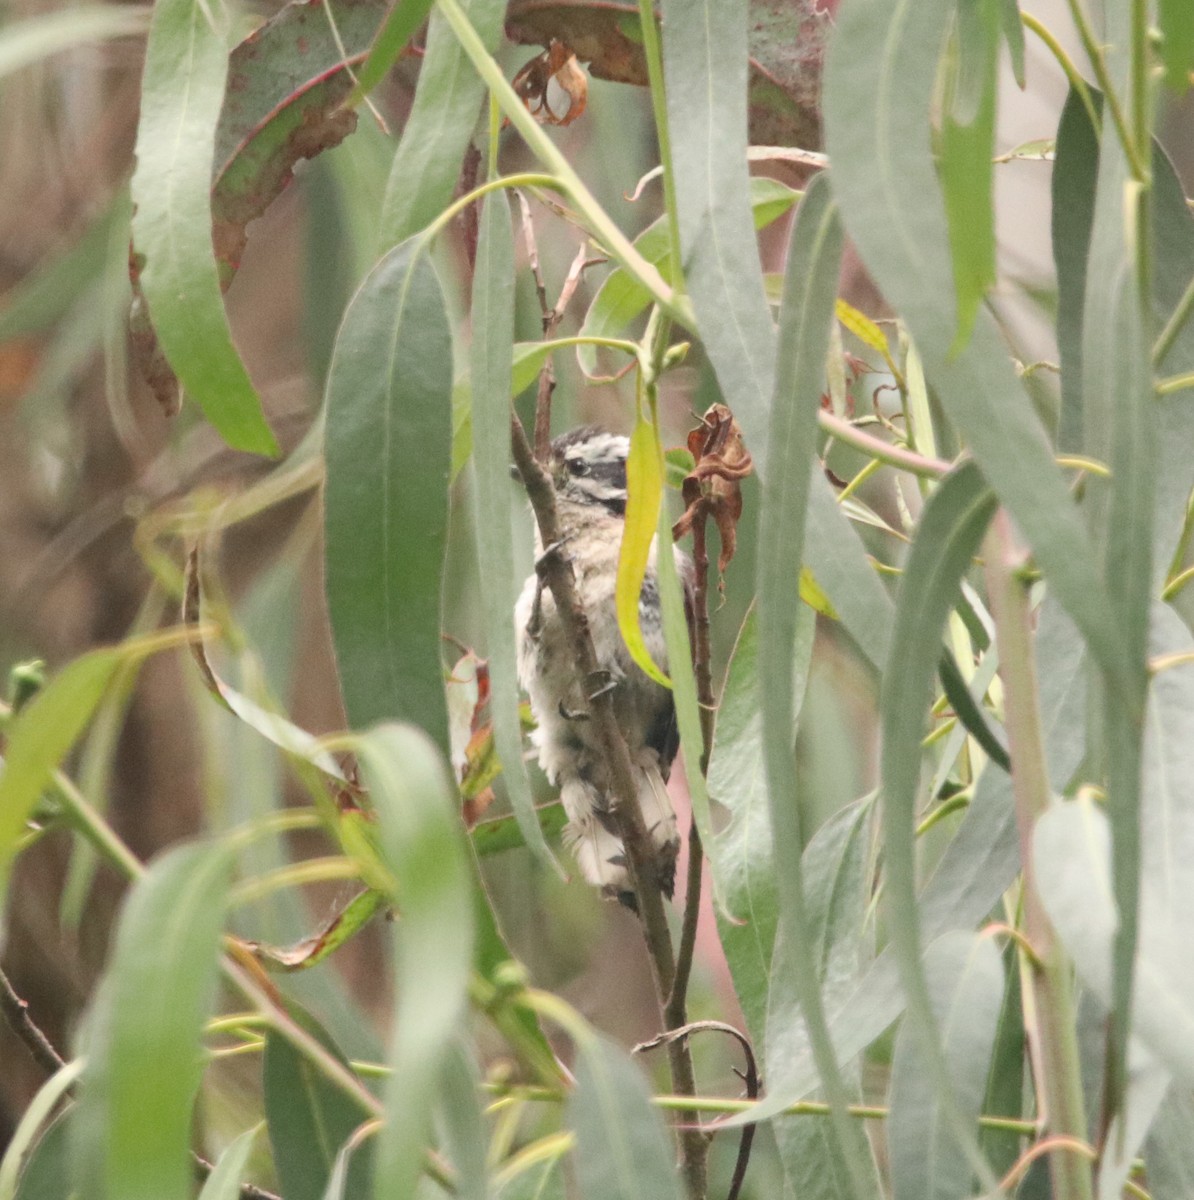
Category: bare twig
<point>16,1013</point>
<point>750,1077</point>
<point>550,318</point>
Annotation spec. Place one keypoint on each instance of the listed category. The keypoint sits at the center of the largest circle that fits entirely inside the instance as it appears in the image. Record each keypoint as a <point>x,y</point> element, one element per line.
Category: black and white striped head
<point>589,467</point>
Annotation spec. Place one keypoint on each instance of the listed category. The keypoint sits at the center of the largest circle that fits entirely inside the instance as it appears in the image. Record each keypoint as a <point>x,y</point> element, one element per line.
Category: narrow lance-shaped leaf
<point>705,63</point>
<point>423,846</point>
<point>644,499</point>
<point>1177,42</point>
<point>965,982</point>
<point>388,446</point>
<point>951,527</point>
<point>493,338</point>
<point>1075,169</point>
<point>967,149</point>
<point>622,1147</point>
<point>1121,431</point>
<point>182,89</point>
<point>810,288</point>
<point>401,25</point>
<point>442,119</point>
<point>309,1118</point>
<point>224,1182</point>
<point>144,1053</point>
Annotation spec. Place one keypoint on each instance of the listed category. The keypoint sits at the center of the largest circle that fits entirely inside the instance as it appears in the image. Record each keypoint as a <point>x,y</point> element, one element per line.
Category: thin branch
<point>556,572</point>
<point>16,1013</point>
<point>750,1077</point>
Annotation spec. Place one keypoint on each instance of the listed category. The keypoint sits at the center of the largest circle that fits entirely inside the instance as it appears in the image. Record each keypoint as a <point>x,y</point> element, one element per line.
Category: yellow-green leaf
<point>644,495</point>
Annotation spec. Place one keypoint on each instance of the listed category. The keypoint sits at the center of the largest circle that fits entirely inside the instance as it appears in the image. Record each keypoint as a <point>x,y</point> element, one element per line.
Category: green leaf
<point>1075,169</point>
<point>1074,838</point>
<point>459,1116</point>
<point>442,118</point>
<point>806,312</point>
<point>388,446</point>
<point>1005,1080</point>
<point>837,882</point>
<point>623,1151</point>
<point>1121,431</point>
<point>967,150</point>
<point>705,63</point>
<point>1176,19</point>
<point>952,525</point>
<point>224,1182</point>
<point>182,89</point>
<point>743,849</point>
<point>1170,1150</point>
<point>29,41</point>
<point>620,299</point>
<point>644,498</point>
<point>879,81</point>
<point>144,1054</point>
<point>25,1144</point>
<point>47,1174</point>
<point>38,739</point>
<point>309,1117</point>
<point>401,25</point>
<point>423,846</point>
<point>1013,33</point>
<point>491,365</point>
<point>965,982</point>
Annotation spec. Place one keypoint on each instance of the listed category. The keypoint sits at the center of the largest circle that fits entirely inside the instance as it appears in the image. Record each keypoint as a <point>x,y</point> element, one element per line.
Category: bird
<point>588,471</point>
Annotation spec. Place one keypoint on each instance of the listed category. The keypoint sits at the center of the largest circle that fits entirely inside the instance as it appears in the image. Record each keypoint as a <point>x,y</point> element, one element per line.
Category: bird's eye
<point>578,466</point>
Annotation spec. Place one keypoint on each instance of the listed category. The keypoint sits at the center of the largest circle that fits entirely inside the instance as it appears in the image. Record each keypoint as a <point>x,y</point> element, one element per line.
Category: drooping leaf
<point>144,1059</point>
<point>1121,431</point>
<point>965,982</point>
<point>47,1173</point>
<point>1075,170</point>
<point>1013,33</point>
<point>423,847</point>
<point>644,498</point>
<point>182,89</point>
<point>309,1118</point>
<point>1005,1080</point>
<point>465,1136</point>
<point>967,150</point>
<point>744,847</point>
<point>491,366</point>
<point>388,447</point>
<point>442,118</point>
<point>27,1143</point>
<point>806,312</point>
<point>312,950</point>
<point>224,1182</point>
<point>622,1150</point>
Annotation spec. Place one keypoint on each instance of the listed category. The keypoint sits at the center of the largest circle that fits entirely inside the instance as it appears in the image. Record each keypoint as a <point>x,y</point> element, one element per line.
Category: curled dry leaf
<point>310,951</point>
<point>532,83</point>
<point>713,487</point>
